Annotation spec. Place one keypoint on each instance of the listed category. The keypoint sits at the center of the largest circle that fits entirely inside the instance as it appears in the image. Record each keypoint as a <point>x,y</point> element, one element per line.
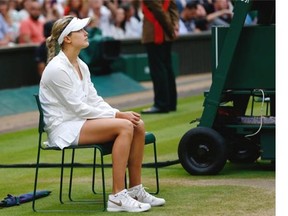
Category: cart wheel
<point>202,151</point>
<point>244,151</point>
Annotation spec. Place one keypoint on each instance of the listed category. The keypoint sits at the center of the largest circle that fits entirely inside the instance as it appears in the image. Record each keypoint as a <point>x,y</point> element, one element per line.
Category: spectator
<point>138,14</point>
<point>222,11</point>
<point>8,22</point>
<point>99,13</point>
<point>181,5</point>
<point>195,19</point>
<point>74,6</point>
<point>116,26</point>
<point>132,27</point>
<point>4,33</point>
<point>31,29</point>
<point>191,17</point>
<point>24,9</point>
<point>14,12</point>
<point>74,12</point>
<point>50,10</point>
<point>109,18</point>
<point>84,11</point>
<point>160,28</point>
<point>78,8</point>
<point>41,51</point>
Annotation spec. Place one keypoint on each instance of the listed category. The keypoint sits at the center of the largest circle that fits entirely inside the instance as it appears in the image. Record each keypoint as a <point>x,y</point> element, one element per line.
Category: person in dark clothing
<point>222,10</point>
<point>160,28</point>
<point>41,51</point>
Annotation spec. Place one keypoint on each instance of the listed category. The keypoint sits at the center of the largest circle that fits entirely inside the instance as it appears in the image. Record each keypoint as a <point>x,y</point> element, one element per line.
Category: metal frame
<point>105,149</point>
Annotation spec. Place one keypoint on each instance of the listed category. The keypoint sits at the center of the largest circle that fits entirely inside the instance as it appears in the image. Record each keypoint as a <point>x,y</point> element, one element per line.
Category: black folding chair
<point>104,149</point>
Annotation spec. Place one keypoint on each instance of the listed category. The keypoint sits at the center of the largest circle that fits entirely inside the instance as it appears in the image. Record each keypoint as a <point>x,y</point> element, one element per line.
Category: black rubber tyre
<point>202,151</point>
<point>244,151</point>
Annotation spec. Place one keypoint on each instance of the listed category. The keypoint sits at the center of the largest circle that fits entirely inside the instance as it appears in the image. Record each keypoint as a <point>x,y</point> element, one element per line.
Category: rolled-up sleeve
<point>97,101</point>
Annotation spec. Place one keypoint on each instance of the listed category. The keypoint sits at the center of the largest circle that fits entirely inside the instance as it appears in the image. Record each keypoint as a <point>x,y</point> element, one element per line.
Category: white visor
<point>74,25</point>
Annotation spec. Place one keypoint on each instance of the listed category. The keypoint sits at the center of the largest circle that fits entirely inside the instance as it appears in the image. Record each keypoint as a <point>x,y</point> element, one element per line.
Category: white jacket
<point>68,102</point>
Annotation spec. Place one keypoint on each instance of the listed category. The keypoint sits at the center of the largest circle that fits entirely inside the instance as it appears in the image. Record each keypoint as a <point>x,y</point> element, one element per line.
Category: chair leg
<point>61,176</point>
<point>156,168</point>
<point>36,176</point>
<point>103,180</point>
<point>94,172</point>
<point>102,174</point>
<point>71,175</point>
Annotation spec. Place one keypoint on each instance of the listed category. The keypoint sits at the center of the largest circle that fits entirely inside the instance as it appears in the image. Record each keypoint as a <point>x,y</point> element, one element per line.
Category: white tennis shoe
<point>123,202</point>
<point>138,193</point>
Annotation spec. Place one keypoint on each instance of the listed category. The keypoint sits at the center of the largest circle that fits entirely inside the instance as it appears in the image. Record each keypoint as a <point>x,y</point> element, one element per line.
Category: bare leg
<point>104,130</point>
<point>120,154</point>
<point>136,155</point>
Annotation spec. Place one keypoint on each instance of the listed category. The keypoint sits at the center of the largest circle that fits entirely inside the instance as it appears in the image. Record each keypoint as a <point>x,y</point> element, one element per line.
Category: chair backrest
<point>41,124</point>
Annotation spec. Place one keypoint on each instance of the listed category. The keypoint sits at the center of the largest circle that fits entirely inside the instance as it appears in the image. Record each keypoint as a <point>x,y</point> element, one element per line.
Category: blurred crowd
<point>24,21</point>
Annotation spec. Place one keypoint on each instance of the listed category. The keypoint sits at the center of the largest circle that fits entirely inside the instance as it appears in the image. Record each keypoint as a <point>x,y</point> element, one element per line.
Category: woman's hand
<point>130,115</point>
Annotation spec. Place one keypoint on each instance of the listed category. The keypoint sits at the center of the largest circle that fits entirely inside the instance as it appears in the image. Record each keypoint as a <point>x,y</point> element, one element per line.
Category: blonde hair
<point>51,42</point>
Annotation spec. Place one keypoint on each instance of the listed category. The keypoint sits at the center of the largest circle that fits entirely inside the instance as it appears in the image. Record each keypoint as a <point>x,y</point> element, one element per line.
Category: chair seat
<point>105,148</point>
<point>149,138</point>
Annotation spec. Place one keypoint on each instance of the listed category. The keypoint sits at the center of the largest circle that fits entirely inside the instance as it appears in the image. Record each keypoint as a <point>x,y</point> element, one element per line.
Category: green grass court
<point>237,190</point>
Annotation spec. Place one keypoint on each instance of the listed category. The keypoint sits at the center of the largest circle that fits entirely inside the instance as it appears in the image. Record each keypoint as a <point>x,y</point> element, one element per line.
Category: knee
<point>140,127</point>
<point>127,127</point>
<point>141,124</point>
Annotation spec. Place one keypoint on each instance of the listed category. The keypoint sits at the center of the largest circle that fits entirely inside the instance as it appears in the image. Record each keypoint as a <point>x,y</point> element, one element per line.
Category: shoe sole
<point>126,210</point>
<point>155,205</point>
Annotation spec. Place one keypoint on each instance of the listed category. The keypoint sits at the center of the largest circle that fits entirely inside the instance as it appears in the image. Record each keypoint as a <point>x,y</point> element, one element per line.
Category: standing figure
<point>160,28</point>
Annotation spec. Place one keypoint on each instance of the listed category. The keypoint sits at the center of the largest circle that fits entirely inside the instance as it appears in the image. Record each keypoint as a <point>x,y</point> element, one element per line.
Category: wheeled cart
<point>238,120</point>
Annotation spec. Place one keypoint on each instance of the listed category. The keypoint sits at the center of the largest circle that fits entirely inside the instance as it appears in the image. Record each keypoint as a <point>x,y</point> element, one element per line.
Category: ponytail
<point>53,48</point>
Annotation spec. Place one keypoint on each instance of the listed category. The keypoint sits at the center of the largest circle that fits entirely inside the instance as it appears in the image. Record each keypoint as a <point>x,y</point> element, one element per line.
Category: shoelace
<point>145,194</point>
<point>129,200</point>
